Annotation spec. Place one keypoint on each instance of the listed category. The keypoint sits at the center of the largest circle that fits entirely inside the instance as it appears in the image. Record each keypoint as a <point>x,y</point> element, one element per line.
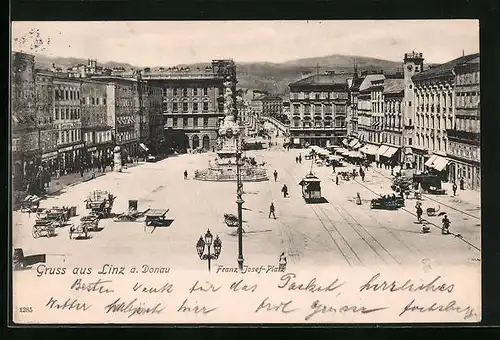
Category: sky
<point>168,43</point>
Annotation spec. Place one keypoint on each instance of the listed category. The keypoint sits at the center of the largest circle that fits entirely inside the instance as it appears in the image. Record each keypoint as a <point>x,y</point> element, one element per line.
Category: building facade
<point>193,103</point>
<point>67,113</point>
<point>25,135</point>
<point>393,106</point>
<point>45,116</point>
<point>435,114</point>
<point>464,137</point>
<point>365,106</point>
<point>154,117</point>
<point>318,109</point>
<point>352,110</point>
<point>96,129</point>
<point>272,106</point>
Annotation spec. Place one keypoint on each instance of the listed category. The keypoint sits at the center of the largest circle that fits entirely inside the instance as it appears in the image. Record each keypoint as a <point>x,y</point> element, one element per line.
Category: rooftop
<point>323,79</point>
<point>445,69</point>
<point>367,80</point>
<point>394,85</point>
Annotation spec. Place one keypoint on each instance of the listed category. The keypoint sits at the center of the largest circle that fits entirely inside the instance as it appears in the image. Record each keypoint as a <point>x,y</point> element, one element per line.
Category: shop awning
<point>355,154</point>
<point>390,152</point>
<point>382,149</point>
<point>437,162</point>
<point>143,146</point>
<point>357,145</point>
<point>369,149</point>
<point>334,158</point>
<point>344,141</point>
<point>342,151</point>
<point>353,142</point>
<point>408,151</point>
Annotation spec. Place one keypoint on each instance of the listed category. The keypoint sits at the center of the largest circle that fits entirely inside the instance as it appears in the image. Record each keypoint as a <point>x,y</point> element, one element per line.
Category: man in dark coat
<point>271,211</point>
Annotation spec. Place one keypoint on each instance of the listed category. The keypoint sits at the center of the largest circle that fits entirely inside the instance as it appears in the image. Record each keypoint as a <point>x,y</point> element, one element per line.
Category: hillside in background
<point>272,77</point>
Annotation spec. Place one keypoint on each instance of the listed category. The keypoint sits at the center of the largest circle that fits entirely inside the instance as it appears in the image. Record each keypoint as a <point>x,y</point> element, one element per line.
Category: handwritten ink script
<point>145,293</point>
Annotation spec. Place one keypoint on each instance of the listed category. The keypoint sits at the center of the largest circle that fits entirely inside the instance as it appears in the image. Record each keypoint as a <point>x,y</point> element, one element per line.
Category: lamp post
<point>239,202</point>
<point>207,242</point>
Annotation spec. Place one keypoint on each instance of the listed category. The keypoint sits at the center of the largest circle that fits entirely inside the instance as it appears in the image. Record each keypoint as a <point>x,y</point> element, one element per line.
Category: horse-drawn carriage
<point>100,203</point>
<point>387,202</point>
<point>429,183</point>
<point>30,203</point>
<point>401,184</point>
<point>87,223</point>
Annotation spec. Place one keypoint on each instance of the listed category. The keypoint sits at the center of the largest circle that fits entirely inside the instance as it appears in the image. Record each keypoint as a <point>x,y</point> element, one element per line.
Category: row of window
<point>71,94</point>
<point>319,124</point>
<point>467,99</point>
<point>185,107</point>
<point>186,92</point>
<point>464,151</point>
<point>318,108</point>
<point>437,99</point>
<point>431,143</point>
<point>468,125</point>
<point>100,137</point>
<point>468,78</point>
<point>66,113</point>
<point>187,122</point>
<point>93,101</point>
<point>318,95</point>
<point>69,136</point>
<point>126,135</point>
<point>434,122</point>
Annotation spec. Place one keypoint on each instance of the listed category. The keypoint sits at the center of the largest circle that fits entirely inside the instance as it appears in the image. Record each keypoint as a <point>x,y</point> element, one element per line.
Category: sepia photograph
<point>171,172</point>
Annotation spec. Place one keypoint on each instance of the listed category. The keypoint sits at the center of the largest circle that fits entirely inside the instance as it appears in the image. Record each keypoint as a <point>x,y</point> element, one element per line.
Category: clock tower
<point>413,63</point>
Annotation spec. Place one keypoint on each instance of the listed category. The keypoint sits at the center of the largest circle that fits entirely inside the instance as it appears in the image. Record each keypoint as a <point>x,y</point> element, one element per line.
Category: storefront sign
<point>68,148</point>
<point>49,155</point>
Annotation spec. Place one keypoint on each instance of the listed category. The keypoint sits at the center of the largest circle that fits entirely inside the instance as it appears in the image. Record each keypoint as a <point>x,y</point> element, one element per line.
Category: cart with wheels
<point>44,227</point>
<point>30,203</point>
<point>87,223</point>
<point>155,218</point>
<point>132,214</point>
<point>387,203</point>
<point>100,203</point>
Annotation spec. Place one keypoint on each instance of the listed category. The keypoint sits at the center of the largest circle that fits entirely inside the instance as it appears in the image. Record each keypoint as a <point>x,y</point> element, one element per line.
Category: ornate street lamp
<point>207,242</point>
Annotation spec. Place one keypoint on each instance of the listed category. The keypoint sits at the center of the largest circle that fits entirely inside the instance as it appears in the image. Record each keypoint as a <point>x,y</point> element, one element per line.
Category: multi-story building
<point>88,70</point>
<point>413,64</point>
<point>193,103</point>
<point>45,115</point>
<point>377,111</point>
<point>25,133</point>
<point>124,113</point>
<point>67,113</point>
<point>367,126</point>
<point>272,106</point>
<point>257,105</point>
<point>434,115</point>
<point>319,106</point>
<point>96,128</point>
<point>154,117</point>
<point>464,137</point>
<point>393,107</point>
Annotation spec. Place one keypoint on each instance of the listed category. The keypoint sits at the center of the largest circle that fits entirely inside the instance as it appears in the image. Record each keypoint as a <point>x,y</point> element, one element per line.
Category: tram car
<point>311,188</point>
<point>387,202</point>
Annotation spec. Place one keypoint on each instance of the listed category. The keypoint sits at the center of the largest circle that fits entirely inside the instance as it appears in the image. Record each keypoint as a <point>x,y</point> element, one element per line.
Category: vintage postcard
<point>245,172</point>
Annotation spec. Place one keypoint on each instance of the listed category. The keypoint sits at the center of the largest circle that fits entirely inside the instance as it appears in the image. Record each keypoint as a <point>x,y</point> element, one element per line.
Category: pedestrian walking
<point>284,190</point>
<point>337,179</point>
<point>362,174</point>
<point>454,187</point>
<point>333,166</point>
<point>419,212</point>
<point>185,174</point>
<point>275,175</point>
<point>300,159</point>
<point>358,199</point>
<point>271,211</point>
<point>93,173</point>
<point>446,225</point>
<point>353,174</point>
<point>297,160</point>
<point>462,182</point>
